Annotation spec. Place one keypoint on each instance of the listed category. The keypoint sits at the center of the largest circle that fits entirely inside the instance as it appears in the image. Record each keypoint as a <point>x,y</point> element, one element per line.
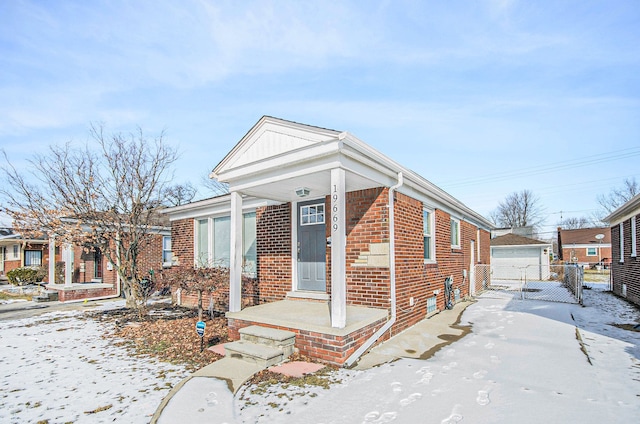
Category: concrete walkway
<point>212,388</point>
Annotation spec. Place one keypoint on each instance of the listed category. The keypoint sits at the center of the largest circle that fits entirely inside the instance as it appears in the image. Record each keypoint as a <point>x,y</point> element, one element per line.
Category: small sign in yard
<point>200,326</point>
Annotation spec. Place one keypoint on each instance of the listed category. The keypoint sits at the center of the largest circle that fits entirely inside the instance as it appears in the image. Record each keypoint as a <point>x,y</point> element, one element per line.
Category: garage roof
<point>514,240</point>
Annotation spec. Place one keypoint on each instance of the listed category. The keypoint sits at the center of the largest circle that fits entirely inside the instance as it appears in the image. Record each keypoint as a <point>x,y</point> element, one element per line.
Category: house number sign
<point>335,208</point>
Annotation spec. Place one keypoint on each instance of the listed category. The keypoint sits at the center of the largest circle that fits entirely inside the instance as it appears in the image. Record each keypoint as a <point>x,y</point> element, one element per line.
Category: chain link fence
<point>555,283</point>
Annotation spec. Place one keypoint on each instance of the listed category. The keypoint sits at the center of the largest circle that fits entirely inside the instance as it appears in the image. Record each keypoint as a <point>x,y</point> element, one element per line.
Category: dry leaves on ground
<point>168,333</point>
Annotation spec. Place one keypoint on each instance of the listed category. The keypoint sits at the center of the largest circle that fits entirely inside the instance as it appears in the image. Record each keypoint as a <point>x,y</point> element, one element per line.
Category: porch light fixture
<point>302,192</point>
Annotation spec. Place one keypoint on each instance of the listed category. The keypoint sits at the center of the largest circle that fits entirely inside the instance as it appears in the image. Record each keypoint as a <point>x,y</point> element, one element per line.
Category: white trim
<point>294,246</point>
<point>458,231</point>
<point>621,242</point>
<point>432,225</point>
<point>338,231</point>
<point>634,240</point>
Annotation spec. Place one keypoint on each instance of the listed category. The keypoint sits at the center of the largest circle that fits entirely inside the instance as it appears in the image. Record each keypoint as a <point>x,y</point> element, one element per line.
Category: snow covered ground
<point>524,362</point>
<point>521,363</point>
<point>57,367</point>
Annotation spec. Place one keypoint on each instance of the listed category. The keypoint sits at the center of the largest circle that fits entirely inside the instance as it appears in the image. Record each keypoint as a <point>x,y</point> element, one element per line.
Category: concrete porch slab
<point>309,316</point>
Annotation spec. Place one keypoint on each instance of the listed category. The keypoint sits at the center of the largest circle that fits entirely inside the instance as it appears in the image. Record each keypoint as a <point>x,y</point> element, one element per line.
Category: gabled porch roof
<point>277,156</point>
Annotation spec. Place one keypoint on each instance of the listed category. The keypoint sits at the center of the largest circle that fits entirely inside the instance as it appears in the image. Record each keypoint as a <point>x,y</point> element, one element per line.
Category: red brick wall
<point>627,272</point>
<point>580,253</point>
<point>273,246</point>
<point>367,222</point>
<point>79,294</point>
<point>182,240</point>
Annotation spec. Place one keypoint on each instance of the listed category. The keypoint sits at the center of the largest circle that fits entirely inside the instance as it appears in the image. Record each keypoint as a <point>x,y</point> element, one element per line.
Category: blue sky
<point>483,98</point>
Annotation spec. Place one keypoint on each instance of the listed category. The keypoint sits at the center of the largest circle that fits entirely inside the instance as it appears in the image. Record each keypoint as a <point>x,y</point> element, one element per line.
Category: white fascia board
<point>624,212</point>
<point>222,207</point>
<point>279,162</point>
<point>415,185</point>
<point>585,245</point>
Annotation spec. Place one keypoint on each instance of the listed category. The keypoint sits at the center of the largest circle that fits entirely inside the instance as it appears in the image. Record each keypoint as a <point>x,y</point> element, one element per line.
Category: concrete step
<point>280,339</point>
<point>259,354</point>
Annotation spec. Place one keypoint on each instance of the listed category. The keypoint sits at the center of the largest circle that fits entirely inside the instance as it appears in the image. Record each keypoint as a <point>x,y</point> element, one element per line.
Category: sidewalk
<point>214,385</point>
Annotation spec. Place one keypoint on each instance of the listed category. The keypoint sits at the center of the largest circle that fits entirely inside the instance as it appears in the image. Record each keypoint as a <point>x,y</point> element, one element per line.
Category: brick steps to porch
<point>262,346</point>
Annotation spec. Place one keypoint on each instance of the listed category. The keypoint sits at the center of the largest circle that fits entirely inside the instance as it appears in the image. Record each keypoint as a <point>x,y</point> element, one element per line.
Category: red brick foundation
<point>327,348</point>
<point>66,295</point>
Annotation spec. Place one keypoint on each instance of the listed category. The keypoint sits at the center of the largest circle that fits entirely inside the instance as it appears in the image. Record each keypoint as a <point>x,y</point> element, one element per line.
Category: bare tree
<point>519,209</point>
<point>178,194</point>
<point>104,199</point>
<point>618,196</point>
<point>214,186</point>
<point>574,223</point>
<point>197,279</point>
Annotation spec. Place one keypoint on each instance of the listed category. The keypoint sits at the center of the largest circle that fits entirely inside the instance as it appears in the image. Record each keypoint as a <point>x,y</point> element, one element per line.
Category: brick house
<point>585,246</point>
<point>625,266</point>
<point>83,272</point>
<point>320,219</point>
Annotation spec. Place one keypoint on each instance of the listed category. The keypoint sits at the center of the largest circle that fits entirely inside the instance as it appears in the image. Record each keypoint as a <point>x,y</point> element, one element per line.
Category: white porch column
<point>338,249</point>
<point>67,257</point>
<point>52,260</point>
<point>235,267</point>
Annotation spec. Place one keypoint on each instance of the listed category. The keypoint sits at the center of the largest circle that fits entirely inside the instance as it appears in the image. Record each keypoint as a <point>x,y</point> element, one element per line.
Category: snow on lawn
<point>524,362</point>
<point>521,363</point>
<point>57,368</point>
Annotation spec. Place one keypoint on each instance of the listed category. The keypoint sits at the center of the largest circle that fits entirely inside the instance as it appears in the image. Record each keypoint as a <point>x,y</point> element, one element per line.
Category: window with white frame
<point>621,242</point>
<point>312,214</point>
<point>32,257</point>
<point>15,253</point>
<point>478,258</point>
<point>634,247</point>
<point>427,233</point>
<point>167,255</point>
<point>455,233</point>
<point>592,251</point>
<point>213,242</point>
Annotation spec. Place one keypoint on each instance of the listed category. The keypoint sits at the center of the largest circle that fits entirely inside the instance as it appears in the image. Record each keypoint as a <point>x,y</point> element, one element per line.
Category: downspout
<point>392,278</point>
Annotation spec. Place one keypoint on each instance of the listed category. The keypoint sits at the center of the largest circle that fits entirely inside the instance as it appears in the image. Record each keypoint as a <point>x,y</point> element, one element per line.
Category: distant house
<point>16,251</point>
<point>625,265</point>
<point>346,246</point>
<point>585,246</point>
<point>78,272</point>
<point>514,256</point>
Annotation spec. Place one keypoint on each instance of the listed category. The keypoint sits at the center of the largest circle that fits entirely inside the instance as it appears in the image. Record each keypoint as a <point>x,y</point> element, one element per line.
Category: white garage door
<point>511,262</point>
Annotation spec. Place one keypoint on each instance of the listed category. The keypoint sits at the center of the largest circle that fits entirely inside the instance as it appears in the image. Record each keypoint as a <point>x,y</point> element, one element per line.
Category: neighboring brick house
<point>625,265</point>
<point>80,272</point>
<point>585,246</point>
<point>316,215</point>
<point>16,251</point>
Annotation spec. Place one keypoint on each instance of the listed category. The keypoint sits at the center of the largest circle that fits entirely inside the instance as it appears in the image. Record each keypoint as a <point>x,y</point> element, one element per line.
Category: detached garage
<point>514,257</point>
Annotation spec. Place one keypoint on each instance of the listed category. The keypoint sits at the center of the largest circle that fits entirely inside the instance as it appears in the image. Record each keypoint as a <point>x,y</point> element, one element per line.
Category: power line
<point>556,166</point>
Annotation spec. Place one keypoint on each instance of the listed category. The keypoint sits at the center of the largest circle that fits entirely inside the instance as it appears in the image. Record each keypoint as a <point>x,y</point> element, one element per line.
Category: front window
<point>213,242</point>
<point>592,251</point>
<point>32,257</point>
<point>455,233</point>
<point>16,252</point>
<point>427,233</point>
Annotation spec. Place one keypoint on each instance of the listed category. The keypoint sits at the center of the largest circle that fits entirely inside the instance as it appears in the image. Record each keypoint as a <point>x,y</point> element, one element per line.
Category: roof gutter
<point>392,278</point>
